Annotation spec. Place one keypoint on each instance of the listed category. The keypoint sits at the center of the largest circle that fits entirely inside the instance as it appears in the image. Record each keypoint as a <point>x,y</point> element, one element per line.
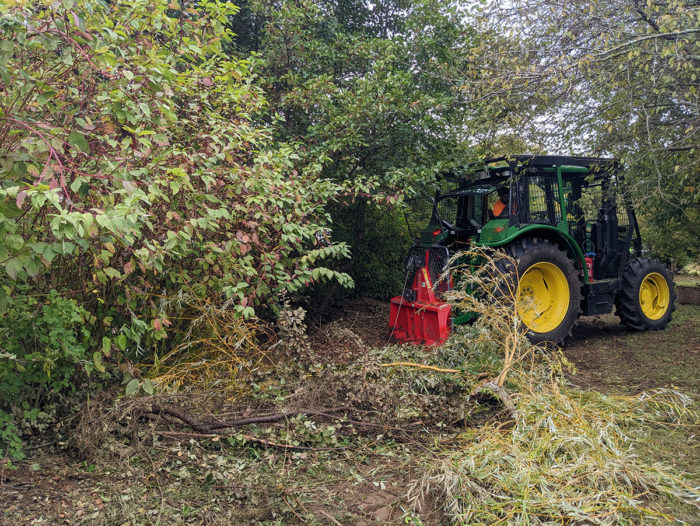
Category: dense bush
<point>126,173</point>
<point>133,178</point>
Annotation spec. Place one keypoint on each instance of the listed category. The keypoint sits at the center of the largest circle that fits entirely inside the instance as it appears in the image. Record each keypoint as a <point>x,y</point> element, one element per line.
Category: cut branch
<point>210,427</point>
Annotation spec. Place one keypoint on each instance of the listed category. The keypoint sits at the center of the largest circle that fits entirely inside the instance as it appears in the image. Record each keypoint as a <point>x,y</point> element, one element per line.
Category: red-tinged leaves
<point>21,195</point>
<point>157,325</point>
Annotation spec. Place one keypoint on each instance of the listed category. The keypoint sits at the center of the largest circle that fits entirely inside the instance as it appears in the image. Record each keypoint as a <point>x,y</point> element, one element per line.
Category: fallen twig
<point>208,427</point>
<point>419,366</point>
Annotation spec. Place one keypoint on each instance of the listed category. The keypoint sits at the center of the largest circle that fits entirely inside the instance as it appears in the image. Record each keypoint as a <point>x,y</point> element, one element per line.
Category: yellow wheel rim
<point>654,296</point>
<point>543,297</point>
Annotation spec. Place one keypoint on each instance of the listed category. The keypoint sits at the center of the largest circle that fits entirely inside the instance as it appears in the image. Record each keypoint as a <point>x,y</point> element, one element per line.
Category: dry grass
<point>218,347</point>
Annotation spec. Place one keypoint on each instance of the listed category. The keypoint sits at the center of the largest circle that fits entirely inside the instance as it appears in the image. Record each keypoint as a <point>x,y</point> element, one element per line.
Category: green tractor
<point>573,237</point>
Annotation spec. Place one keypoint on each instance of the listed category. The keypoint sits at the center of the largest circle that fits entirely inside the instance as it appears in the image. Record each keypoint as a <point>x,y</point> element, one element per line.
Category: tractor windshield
<point>472,206</point>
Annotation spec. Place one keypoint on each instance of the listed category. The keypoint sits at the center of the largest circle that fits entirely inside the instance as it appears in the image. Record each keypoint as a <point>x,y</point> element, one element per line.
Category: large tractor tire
<point>647,297</point>
<point>548,290</point>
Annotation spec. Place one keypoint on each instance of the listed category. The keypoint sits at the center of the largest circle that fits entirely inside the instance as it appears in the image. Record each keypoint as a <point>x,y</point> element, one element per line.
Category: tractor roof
<point>600,167</point>
<point>480,187</point>
<point>592,163</point>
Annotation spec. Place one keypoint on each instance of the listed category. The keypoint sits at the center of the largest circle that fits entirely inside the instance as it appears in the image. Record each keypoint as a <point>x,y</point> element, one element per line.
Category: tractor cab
<point>459,216</point>
<point>566,223</point>
<point>577,205</point>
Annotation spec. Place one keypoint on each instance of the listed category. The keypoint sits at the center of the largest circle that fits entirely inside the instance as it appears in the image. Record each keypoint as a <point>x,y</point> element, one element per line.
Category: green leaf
<point>99,365</point>
<point>14,242</point>
<point>112,273</point>
<point>133,386</point>
<point>106,345</point>
<point>13,267</point>
<point>78,140</point>
<point>4,300</point>
<point>120,341</point>
<point>32,265</point>
<point>5,76</point>
<point>147,386</point>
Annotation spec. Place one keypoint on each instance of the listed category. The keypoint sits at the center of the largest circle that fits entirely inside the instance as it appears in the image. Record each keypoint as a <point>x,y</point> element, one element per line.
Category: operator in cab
<point>500,207</point>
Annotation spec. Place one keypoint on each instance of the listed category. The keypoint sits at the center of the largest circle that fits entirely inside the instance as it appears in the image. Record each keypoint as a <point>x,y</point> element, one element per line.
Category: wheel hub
<point>543,297</point>
<point>654,295</point>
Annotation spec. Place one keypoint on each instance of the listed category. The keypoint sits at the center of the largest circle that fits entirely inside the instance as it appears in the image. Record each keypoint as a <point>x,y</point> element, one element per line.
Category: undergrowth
<point>217,349</point>
<point>475,435</point>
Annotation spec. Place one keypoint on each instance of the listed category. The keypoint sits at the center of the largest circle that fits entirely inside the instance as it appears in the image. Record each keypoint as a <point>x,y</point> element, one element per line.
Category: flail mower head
<point>419,315</point>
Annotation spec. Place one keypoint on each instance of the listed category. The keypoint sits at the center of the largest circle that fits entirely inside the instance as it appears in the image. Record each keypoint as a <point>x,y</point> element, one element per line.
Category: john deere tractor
<point>565,223</point>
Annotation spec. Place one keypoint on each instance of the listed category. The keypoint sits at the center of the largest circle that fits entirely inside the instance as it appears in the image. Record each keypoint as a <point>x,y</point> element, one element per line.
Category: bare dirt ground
<point>176,481</point>
<point>611,358</point>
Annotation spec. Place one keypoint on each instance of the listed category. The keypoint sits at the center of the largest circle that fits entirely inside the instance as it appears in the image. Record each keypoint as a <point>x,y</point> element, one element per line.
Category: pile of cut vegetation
<point>486,428</point>
<point>534,450</point>
<point>568,456</point>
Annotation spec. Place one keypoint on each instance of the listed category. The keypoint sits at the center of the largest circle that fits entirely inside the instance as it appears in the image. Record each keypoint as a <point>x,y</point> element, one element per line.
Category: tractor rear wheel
<point>548,291</point>
<point>647,297</point>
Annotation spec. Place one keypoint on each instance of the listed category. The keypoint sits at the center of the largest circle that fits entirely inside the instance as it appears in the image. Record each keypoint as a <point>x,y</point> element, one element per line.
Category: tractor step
<point>600,296</point>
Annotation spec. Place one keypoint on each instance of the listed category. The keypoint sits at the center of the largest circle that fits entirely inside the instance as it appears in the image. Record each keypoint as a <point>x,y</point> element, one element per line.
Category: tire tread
<point>627,301</point>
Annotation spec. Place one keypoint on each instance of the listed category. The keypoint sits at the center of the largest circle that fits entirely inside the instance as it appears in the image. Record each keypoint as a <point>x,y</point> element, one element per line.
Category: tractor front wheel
<point>647,297</point>
<point>548,294</point>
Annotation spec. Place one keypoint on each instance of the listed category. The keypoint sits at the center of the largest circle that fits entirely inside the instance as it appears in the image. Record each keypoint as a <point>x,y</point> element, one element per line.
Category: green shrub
<point>44,360</point>
<point>135,175</point>
<point>135,181</point>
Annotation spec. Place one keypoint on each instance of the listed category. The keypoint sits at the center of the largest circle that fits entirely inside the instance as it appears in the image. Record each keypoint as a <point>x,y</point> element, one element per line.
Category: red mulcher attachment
<point>418,316</point>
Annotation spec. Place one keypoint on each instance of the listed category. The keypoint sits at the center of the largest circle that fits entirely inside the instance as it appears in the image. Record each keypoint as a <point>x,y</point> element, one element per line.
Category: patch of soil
<point>343,330</point>
<point>611,358</point>
<point>688,295</point>
<point>53,484</point>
